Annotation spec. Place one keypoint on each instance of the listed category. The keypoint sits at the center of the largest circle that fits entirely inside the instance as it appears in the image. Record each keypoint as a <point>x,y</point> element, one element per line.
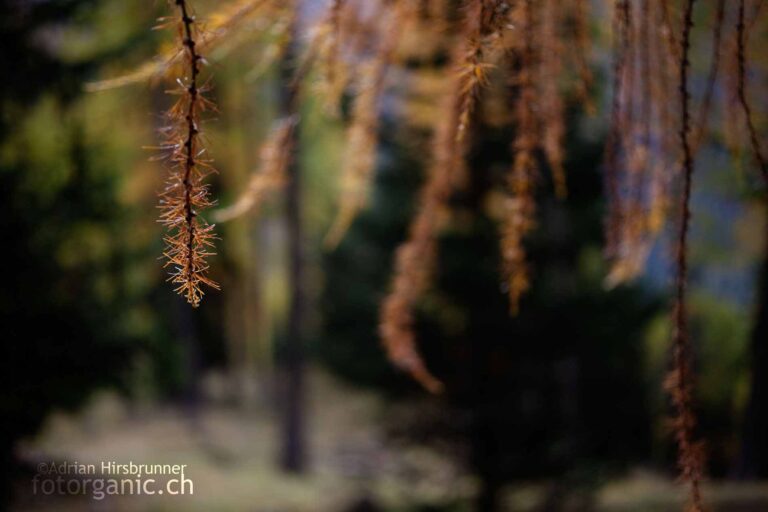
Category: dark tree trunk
<point>485,441</point>
<point>291,365</point>
<point>753,459</point>
<point>186,332</point>
<point>487,499</point>
<point>10,469</point>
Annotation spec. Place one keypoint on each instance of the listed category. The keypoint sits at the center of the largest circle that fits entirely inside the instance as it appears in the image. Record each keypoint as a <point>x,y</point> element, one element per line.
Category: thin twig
<point>741,59</point>
<point>680,383</point>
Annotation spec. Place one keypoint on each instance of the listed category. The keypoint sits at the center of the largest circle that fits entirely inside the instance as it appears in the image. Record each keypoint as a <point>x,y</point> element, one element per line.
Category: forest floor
<point>230,454</point>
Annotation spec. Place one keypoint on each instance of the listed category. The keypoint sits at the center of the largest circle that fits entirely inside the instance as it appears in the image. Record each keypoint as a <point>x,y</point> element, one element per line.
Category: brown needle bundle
<point>360,152</point>
<point>581,48</point>
<point>415,259</point>
<point>362,138</point>
<point>614,142</point>
<point>520,206</point>
<point>552,102</point>
<point>190,238</point>
<point>641,146</point>
<point>326,47</point>
<point>223,27</point>
<point>484,24</point>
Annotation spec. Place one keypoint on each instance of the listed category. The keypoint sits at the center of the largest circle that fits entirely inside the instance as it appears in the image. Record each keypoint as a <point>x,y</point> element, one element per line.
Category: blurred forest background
<point>560,408</point>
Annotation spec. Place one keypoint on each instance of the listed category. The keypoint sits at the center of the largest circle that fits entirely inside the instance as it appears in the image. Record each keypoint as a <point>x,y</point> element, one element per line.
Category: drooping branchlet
<point>520,204</point>
<point>274,158</point>
<point>484,23</point>
<point>189,240</point>
<point>712,76</point>
<point>224,28</point>
<point>327,45</point>
<point>552,102</point>
<point>480,39</point>
<point>680,380</point>
<point>415,258</point>
<point>741,60</point>
<point>362,136</point>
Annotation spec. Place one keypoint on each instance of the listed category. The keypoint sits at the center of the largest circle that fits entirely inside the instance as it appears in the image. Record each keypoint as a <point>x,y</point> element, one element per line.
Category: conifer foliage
<point>190,238</point>
<point>539,51</point>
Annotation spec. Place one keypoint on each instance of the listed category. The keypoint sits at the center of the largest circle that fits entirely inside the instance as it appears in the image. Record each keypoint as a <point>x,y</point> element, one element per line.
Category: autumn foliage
<point>539,54</point>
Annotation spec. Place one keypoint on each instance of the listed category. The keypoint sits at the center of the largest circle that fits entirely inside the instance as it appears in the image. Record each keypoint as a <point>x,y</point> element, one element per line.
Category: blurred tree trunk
<point>243,259</point>
<point>753,459</point>
<point>291,366</point>
<point>185,321</point>
<point>485,442</point>
<point>11,467</point>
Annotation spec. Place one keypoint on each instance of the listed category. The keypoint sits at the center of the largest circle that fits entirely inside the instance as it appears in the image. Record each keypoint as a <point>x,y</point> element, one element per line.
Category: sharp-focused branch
<point>190,238</point>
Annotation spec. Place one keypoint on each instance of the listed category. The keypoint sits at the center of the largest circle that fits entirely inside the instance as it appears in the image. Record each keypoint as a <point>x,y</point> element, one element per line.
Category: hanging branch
<point>415,259</point>
<point>741,59</point>
<point>614,142</point>
<point>483,35</point>
<point>222,27</point>
<point>552,102</point>
<point>640,159</point>
<point>642,141</point>
<point>325,47</point>
<point>680,380</point>
<point>520,204</point>
<point>582,48</point>
<point>665,65</point>
<point>190,238</point>
<point>275,155</point>
<point>709,92</point>
<point>363,135</point>
<point>635,136</point>
<point>667,28</point>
